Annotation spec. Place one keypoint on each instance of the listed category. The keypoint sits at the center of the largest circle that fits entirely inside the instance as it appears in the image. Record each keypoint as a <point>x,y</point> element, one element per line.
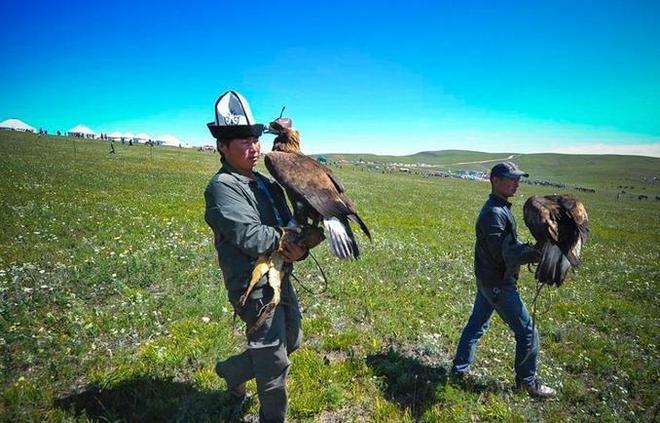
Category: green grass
<point>112,306</point>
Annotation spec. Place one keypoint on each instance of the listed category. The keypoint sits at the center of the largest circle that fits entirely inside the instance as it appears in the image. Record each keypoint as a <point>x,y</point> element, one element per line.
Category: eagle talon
<point>265,312</point>
<point>243,299</point>
<point>267,309</point>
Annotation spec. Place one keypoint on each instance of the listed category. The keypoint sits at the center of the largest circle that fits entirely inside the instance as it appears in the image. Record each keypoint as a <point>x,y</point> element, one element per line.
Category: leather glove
<point>311,236</point>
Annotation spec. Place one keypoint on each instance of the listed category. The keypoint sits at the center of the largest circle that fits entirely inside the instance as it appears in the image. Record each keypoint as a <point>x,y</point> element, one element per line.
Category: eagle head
<point>288,139</point>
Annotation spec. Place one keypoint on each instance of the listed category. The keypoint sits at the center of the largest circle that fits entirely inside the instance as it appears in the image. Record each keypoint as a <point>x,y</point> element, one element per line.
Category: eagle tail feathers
<point>342,240</point>
<point>573,259</point>
<point>355,218</point>
<point>584,233</point>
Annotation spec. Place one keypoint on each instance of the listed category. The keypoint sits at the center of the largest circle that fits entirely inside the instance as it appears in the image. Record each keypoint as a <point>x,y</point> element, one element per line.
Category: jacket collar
<point>227,168</point>
<point>498,201</point>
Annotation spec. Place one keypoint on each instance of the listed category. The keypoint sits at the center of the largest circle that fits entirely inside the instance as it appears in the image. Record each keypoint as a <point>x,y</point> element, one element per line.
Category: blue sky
<point>381,77</point>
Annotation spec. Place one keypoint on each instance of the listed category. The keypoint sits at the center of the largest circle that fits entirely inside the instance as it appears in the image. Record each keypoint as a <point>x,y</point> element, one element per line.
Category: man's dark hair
<point>222,141</point>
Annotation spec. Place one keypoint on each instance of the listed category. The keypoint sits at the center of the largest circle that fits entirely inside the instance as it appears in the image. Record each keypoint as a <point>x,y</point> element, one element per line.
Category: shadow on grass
<point>148,399</point>
<point>415,385</point>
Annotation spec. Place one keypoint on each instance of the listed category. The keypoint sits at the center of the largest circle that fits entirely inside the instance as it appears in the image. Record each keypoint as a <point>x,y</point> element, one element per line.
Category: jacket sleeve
<point>515,253</point>
<point>494,228</point>
<point>230,213</point>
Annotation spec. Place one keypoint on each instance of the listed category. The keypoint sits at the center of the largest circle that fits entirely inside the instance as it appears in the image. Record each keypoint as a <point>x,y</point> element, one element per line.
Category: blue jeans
<point>508,304</point>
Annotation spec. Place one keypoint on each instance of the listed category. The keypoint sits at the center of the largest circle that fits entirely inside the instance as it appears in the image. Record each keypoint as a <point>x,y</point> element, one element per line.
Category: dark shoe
<point>238,393</point>
<point>456,376</point>
<point>537,389</point>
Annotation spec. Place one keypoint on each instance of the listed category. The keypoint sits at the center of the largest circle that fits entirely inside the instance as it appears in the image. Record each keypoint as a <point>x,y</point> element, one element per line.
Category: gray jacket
<point>497,253</point>
<point>244,223</point>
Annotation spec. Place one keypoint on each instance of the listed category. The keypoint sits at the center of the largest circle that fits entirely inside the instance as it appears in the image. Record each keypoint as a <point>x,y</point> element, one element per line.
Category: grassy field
<point>112,305</point>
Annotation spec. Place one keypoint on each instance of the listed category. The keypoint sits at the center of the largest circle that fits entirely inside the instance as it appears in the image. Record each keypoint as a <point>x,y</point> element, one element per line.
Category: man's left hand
<point>292,252</point>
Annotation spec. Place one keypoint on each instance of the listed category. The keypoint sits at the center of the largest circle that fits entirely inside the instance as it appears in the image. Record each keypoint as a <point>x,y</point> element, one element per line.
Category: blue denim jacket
<point>497,252</point>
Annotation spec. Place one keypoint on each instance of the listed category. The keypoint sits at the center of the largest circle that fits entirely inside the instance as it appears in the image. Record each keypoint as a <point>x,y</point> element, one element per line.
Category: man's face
<point>505,187</point>
<point>242,153</point>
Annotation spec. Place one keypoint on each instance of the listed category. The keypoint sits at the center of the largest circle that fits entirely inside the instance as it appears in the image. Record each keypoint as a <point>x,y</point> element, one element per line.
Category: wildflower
<point>205,319</point>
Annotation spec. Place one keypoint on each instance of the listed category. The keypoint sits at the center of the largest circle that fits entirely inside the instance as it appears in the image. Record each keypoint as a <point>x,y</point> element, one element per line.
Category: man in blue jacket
<point>247,212</point>
<point>497,258</point>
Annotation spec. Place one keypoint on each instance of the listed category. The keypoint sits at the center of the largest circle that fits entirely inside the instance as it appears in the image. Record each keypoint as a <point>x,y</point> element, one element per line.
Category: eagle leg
<point>261,267</point>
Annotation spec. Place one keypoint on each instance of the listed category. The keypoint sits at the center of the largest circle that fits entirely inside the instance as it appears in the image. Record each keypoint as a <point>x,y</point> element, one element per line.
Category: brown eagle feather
<point>316,194</point>
<point>559,223</point>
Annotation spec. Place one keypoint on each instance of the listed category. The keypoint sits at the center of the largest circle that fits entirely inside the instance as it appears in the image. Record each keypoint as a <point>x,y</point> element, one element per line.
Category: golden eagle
<point>316,195</point>
<point>313,190</point>
<point>559,223</point>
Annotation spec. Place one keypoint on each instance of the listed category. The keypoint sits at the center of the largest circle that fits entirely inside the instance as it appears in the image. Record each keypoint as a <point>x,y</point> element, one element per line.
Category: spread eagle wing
<point>319,187</point>
<point>559,223</point>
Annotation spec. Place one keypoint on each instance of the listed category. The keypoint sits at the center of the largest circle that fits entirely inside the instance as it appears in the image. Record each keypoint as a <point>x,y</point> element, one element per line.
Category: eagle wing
<point>560,225</point>
<point>541,217</point>
<point>575,209</point>
<point>311,181</point>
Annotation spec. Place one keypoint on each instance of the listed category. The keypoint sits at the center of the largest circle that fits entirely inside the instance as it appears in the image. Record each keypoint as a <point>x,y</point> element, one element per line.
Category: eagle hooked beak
<point>278,126</point>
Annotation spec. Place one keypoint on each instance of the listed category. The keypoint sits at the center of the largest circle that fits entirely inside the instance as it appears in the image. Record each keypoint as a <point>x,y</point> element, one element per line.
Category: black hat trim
<point>238,131</point>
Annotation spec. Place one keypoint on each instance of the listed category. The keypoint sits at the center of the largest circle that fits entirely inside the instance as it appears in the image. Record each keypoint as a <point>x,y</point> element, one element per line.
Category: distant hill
<point>636,175</point>
<point>594,171</point>
<point>443,157</point>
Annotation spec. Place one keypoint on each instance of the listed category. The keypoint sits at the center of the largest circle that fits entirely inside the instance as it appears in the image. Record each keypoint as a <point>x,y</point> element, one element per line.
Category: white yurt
<point>16,125</point>
<point>116,136</point>
<point>128,136</point>
<point>169,140</point>
<point>142,137</point>
<point>81,131</point>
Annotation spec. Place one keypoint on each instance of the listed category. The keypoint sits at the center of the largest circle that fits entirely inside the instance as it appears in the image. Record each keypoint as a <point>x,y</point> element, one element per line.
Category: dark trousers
<point>506,301</point>
<point>266,358</point>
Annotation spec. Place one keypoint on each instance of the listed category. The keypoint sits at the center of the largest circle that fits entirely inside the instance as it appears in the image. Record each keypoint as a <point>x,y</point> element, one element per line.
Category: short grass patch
<point>112,306</point>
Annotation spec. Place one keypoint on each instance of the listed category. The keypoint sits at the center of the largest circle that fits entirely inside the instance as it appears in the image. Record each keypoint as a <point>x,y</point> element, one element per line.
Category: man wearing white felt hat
<point>246,210</point>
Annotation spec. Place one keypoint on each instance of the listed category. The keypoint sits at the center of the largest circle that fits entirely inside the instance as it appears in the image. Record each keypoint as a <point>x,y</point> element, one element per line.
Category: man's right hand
<point>533,252</point>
